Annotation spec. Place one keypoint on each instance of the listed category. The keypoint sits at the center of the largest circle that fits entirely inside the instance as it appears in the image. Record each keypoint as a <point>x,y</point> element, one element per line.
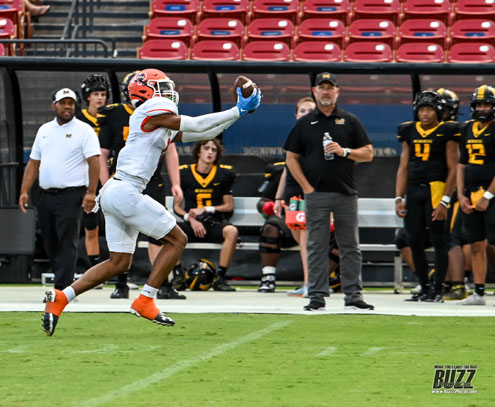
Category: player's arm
<point>277,207</point>
<point>482,204</point>
<point>464,201</point>
<point>30,174</point>
<point>295,169</point>
<point>401,181</point>
<point>172,161</point>
<point>452,154</point>
<point>104,173</point>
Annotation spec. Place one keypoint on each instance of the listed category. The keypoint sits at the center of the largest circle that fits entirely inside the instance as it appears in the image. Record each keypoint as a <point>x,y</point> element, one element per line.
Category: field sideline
<point>240,357</point>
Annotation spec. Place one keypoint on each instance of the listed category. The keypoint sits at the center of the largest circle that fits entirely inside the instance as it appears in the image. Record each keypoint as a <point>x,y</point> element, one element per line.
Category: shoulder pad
<point>107,109</point>
<point>227,167</point>
<point>183,166</point>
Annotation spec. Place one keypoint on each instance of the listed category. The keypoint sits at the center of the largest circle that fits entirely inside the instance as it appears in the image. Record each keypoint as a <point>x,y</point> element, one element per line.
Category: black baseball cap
<point>326,77</point>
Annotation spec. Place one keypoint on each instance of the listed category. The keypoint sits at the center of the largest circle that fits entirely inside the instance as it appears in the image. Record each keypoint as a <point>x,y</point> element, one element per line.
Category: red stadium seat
<point>288,9</point>
<point>321,29</point>
<point>271,29</point>
<point>238,9</point>
<point>215,50</point>
<point>474,9</point>
<point>266,51</point>
<point>170,28</point>
<point>163,49</point>
<point>14,11</point>
<point>7,29</point>
<point>2,50</point>
<point>428,30</point>
<point>372,30</point>
<point>437,9</point>
<point>471,52</point>
<point>317,51</point>
<point>387,9</point>
<point>368,51</point>
<point>420,52</point>
<point>179,8</point>
<point>472,30</point>
<point>229,29</point>
<point>329,9</point>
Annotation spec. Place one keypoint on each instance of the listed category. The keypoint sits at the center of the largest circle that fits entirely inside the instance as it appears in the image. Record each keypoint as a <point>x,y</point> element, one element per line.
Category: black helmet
<point>199,275</point>
<point>429,98</point>
<point>124,86</point>
<point>94,83</point>
<point>451,108</point>
<point>483,94</point>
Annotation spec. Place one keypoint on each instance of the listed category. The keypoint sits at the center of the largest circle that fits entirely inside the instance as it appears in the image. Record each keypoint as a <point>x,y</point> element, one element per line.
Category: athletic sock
<point>479,289</point>
<point>69,293</point>
<point>268,270</point>
<point>149,291</point>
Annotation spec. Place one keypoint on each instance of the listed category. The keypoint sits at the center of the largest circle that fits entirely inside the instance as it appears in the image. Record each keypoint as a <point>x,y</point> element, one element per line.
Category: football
<point>247,86</point>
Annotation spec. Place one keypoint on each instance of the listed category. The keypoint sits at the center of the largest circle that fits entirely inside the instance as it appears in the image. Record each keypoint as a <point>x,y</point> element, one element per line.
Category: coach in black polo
<point>326,176</point>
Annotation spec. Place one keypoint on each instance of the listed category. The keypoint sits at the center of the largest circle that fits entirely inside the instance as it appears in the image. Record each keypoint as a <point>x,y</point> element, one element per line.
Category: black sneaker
<point>419,297</point>
<point>435,298</point>
<point>315,304</point>
<point>267,284</point>
<point>219,284</point>
<point>359,305</point>
<point>120,292</point>
<point>166,292</point>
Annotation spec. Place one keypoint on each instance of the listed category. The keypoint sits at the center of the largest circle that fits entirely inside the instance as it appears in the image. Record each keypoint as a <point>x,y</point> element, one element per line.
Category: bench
<point>372,213</point>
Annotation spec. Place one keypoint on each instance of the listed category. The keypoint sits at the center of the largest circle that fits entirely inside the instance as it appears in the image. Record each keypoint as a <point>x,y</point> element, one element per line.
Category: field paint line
<point>327,352</point>
<point>373,350</point>
<point>18,349</point>
<point>179,366</point>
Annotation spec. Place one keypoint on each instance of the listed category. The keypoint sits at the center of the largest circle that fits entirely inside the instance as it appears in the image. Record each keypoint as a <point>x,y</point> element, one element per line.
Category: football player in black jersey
<point>113,135</point>
<point>208,204</point>
<point>95,92</point>
<point>424,185</point>
<point>476,185</point>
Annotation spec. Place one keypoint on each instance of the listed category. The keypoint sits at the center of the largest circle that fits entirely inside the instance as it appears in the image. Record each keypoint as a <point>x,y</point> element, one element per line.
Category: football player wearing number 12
<point>153,126</point>
<point>425,182</point>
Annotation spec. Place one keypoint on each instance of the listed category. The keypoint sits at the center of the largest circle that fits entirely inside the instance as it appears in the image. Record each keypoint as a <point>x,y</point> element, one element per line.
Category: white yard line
<point>179,366</point>
<point>327,352</point>
<point>372,351</point>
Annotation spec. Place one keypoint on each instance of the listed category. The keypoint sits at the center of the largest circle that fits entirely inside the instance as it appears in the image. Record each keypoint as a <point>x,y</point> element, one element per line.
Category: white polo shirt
<point>63,151</point>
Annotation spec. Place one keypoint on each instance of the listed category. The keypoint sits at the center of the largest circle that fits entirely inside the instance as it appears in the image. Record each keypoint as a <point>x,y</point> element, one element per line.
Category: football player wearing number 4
<point>476,185</point>
<point>425,182</point>
<point>153,126</point>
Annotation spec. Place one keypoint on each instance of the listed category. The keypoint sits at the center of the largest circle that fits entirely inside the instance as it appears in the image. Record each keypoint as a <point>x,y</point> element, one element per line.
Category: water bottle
<point>327,139</point>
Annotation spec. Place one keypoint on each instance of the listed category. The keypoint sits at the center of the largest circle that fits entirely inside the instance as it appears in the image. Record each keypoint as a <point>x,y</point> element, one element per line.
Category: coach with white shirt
<point>65,157</point>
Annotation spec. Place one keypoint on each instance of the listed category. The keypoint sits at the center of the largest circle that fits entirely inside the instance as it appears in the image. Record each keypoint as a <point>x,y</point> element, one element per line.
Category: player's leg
<point>269,250</point>
<point>230,235</point>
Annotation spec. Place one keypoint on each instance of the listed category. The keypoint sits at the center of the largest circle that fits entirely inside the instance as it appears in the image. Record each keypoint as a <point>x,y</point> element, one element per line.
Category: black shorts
<point>401,239</point>
<point>478,226</point>
<point>156,190</point>
<point>213,231</point>
<point>456,236</point>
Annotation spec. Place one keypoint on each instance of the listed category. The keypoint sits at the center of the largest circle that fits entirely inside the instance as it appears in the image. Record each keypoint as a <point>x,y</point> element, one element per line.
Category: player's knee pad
<point>401,239</point>
<point>90,221</point>
<point>269,244</point>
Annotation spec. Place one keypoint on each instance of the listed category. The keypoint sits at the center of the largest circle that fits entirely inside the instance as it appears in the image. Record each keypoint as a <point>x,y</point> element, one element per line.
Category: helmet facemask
<point>164,88</point>
<point>482,115</point>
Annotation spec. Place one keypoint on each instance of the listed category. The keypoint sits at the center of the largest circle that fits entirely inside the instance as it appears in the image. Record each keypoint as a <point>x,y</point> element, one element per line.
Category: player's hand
<point>439,213</point>
<point>465,204</point>
<point>482,205</point>
<point>195,212</point>
<point>177,193</point>
<point>23,202</point>
<point>197,227</point>
<point>400,209</point>
<point>250,103</point>
<point>89,202</point>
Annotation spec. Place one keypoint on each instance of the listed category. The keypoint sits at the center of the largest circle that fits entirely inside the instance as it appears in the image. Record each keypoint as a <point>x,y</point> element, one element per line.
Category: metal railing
<point>69,48</point>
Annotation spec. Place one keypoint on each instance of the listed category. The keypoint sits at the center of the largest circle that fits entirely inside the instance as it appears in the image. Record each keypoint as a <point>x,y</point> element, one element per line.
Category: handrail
<point>68,22</point>
<point>68,51</point>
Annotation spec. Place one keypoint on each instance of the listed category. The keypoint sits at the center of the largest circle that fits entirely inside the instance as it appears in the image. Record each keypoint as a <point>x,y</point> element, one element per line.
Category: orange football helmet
<point>150,83</point>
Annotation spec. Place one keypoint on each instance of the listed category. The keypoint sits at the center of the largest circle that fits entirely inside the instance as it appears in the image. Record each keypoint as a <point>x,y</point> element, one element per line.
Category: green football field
<point>241,360</point>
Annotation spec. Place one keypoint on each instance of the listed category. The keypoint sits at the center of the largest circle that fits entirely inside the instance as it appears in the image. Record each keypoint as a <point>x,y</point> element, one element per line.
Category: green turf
<point>241,360</point>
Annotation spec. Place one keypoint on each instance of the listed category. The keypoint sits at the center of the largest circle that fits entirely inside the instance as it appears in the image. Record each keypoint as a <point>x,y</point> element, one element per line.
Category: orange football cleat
<point>145,307</point>
<point>55,301</point>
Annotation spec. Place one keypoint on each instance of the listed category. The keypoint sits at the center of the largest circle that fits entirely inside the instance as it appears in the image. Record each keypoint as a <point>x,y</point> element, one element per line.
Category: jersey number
<point>474,151</point>
<point>422,151</point>
<point>203,200</point>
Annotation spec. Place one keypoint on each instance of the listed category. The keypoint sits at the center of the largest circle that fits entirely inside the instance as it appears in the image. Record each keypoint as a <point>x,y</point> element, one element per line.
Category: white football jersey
<point>143,149</point>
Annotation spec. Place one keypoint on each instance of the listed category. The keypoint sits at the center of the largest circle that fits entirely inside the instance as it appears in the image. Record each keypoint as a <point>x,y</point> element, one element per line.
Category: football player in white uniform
<point>153,126</point>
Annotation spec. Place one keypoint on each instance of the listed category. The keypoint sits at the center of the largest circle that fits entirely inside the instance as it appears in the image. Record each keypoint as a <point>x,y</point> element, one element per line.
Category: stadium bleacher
<point>381,29</point>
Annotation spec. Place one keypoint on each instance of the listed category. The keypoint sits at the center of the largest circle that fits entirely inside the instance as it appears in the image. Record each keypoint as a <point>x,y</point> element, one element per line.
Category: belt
<point>59,190</point>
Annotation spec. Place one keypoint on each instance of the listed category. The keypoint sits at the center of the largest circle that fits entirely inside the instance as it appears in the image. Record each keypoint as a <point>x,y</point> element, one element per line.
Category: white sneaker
<point>416,290</point>
<point>473,299</point>
<point>300,292</point>
<point>132,286</point>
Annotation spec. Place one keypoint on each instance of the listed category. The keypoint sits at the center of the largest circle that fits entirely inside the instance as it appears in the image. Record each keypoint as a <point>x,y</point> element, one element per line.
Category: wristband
<point>446,199</point>
<point>278,199</point>
<point>399,198</point>
<point>186,217</point>
<point>446,204</point>
<point>488,195</point>
<point>347,151</point>
<point>210,209</point>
